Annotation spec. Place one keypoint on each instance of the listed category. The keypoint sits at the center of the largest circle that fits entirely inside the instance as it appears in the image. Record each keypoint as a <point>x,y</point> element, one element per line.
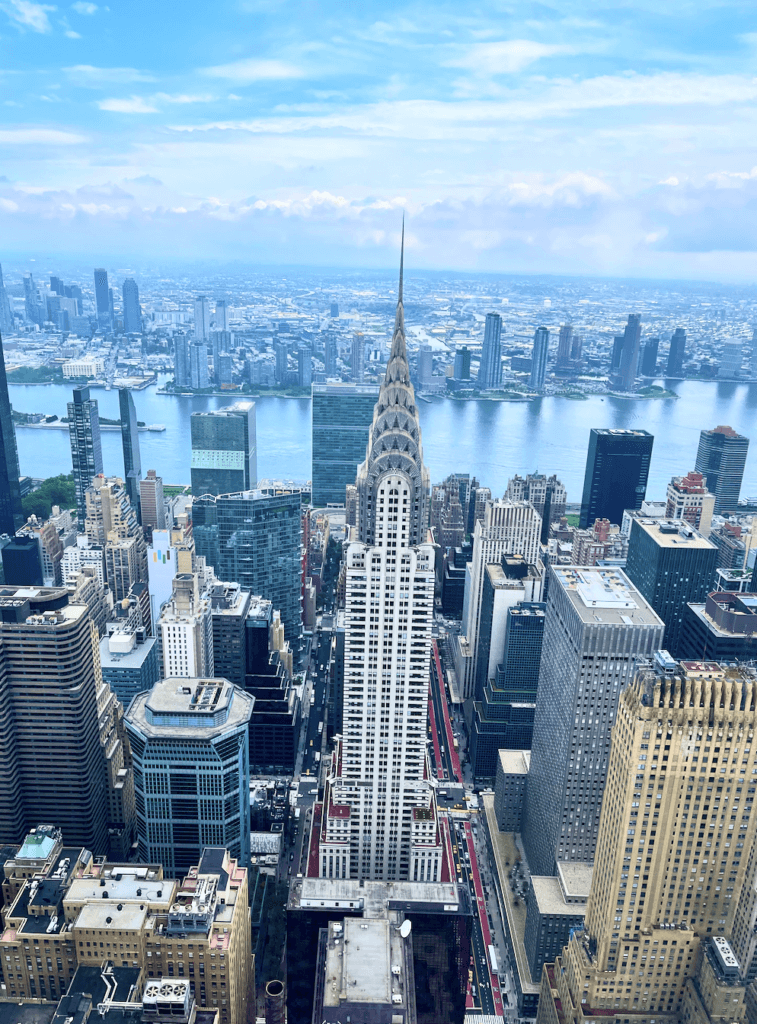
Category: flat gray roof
<point>604,594</point>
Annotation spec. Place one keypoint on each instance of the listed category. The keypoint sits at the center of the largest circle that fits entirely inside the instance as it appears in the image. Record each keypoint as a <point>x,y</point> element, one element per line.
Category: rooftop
<point>124,916</point>
<point>604,594</point>
<point>515,762</point>
<point>672,533</point>
<point>575,878</point>
<point>196,708</point>
<point>122,886</point>
<point>120,650</point>
<point>550,899</point>
<point>374,897</point>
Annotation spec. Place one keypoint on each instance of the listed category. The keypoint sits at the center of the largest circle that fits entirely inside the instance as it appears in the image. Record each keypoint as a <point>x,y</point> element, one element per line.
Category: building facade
<point>151,503</point>
<point>721,458</point>
<point>490,367</point>
<point>539,358</point>
<point>132,308</point>
<point>342,416</point>
<point>86,447</point>
<point>130,445</point>
<point>186,630</point>
<point>617,468</point>
<point>689,499</point>
<point>224,450</point>
<point>11,513</point>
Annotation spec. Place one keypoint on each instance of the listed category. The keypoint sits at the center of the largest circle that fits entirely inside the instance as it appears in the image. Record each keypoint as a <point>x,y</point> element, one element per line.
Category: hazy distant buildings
<point>86,447</point>
<point>617,468</point>
<point>202,318</point>
<point>130,444</point>
<point>461,370</point>
<point>132,308</point>
<point>425,365</point>
<point>198,365</point>
<point>224,450</point>
<point>330,353</point>
<point>222,315</point>
<point>539,358</point>
<point>182,373</point>
<point>597,626</point>
<point>649,358</point>
<point>671,564</point>
<point>490,367</point>
<point>281,351</point>
<point>342,416</point>
<point>304,366</point>
<point>721,458</point>
<point>676,353</point>
<point>103,299</point>
<point>358,357</point>
<point>564,345</point>
<point>6,316</point>
<point>11,512</point>
<point>629,353</point>
<point>731,359</point>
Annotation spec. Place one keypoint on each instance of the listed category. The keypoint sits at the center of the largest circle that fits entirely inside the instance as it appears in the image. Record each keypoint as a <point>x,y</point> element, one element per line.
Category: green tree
<point>56,490</point>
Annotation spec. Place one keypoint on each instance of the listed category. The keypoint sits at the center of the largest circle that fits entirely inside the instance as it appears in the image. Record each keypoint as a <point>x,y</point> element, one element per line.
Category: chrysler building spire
<point>394,443</point>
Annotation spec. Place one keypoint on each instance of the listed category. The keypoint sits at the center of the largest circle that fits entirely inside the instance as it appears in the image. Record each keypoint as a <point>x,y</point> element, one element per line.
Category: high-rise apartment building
<point>304,366</point>
<point>539,358</point>
<point>151,502</point>
<point>11,512</point>
<point>102,298</point>
<point>597,626</point>
<point>198,365</point>
<point>259,535</point>
<point>130,444</point>
<point>86,448</point>
<point>721,458</point>
<point>60,726</point>
<point>281,351</point>
<point>461,369</point>
<point>6,315</point>
<point>358,357</point>
<point>330,354</point>
<point>200,727</point>
<point>671,564</point>
<point>380,818</point>
<point>490,367</point>
<point>342,416</point>
<point>222,315</point>
<point>673,877</point>
<point>182,363</point>
<point>731,358</point>
<point>111,523</point>
<point>508,528</point>
<point>202,318</point>
<point>186,630</point>
<point>629,353</point>
<point>132,308</point>
<point>229,606</point>
<point>676,353</point>
<point>689,499</point>
<point>617,468</point>
<point>547,494</point>
<point>564,345</point>
<point>224,450</point>
<point>649,358</point>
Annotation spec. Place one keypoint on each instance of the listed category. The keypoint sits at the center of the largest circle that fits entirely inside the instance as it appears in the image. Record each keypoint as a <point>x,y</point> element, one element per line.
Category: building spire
<point>402,260</point>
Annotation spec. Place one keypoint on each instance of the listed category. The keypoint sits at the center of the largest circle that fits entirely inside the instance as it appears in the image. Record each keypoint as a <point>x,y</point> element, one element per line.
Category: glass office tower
<point>342,417</point>
<point>224,450</point>
<point>617,467</point>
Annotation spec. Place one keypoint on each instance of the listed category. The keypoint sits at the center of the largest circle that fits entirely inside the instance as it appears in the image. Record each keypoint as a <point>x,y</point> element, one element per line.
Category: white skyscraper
<point>186,630</point>
<point>380,810</point>
<point>508,528</point>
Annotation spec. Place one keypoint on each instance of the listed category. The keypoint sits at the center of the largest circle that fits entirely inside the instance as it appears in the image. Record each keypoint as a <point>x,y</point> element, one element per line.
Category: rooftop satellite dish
<point>406,928</point>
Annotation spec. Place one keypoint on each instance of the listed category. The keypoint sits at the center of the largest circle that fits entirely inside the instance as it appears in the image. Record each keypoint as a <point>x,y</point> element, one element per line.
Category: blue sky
<point>610,138</point>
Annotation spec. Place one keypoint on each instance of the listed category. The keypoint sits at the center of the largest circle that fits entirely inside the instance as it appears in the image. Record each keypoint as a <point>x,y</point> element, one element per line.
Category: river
<point>492,440</point>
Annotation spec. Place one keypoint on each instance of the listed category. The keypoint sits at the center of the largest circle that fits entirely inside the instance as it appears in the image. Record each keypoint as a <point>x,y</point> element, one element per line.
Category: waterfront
<point>492,440</point>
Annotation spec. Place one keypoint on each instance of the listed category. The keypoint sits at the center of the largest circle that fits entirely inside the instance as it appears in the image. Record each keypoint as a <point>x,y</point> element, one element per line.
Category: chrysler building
<point>379,816</point>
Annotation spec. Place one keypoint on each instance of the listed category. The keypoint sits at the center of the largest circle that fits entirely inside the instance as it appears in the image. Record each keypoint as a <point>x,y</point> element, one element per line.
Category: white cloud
<point>181,98</point>
<point>27,15</point>
<point>93,77</point>
<point>70,34</point>
<point>132,105</point>
<point>506,57</point>
<point>39,137</point>
<point>251,70</point>
<point>8,205</point>
<point>84,8</point>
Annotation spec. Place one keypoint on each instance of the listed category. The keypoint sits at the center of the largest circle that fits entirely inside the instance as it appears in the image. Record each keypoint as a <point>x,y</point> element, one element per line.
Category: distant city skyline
<point>573,139</point>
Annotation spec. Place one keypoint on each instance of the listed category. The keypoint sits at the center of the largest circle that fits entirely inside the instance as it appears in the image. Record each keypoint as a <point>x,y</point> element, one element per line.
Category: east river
<point>492,440</point>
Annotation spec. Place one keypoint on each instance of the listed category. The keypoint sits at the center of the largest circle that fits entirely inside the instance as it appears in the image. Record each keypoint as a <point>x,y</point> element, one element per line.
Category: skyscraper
<point>649,358</point>
<point>222,315</point>
<point>669,878</point>
<point>11,512</point>
<point>151,502</point>
<point>132,308</point>
<point>731,358</point>
<point>304,366</point>
<point>425,364</point>
<point>202,318</point>
<point>102,298</point>
<point>198,365</point>
<point>676,353</point>
<point>330,354</point>
<point>342,417</point>
<point>564,345</point>
<point>60,731</point>
<point>111,523</point>
<point>358,357</point>
<point>721,459</point>
<point>597,626</point>
<point>33,307</point>
<point>201,726</point>
<point>186,630</point>
<point>688,498</point>
<point>86,449</point>
<point>6,315</point>
<point>380,811</point>
<point>671,564</point>
<point>181,374</point>
<point>629,353</point>
<point>130,444</point>
<point>490,367</point>
<point>224,450</point>
<point>281,351</point>
<point>461,370</point>
<point>617,467</point>
<point>539,358</point>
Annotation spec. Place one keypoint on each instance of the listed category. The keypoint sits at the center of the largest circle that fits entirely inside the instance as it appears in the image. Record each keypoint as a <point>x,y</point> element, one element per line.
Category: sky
<point>605,138</point>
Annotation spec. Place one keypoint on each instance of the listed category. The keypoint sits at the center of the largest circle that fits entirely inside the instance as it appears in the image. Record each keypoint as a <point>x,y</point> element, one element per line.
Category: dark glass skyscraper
<point>224,451</point>
<point>629,353</point>
<point>11,514</point>
<point>102,292</point>
<point>130,443</point>
<point>649,358</point>
<point>617,467</point>
<point>86,449</point>
<point>721,459</point>
<point>676,354</point>
<point>132,308</point>
<point>342,417</point>
<point>539,357</point>
<point>490,367</point>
